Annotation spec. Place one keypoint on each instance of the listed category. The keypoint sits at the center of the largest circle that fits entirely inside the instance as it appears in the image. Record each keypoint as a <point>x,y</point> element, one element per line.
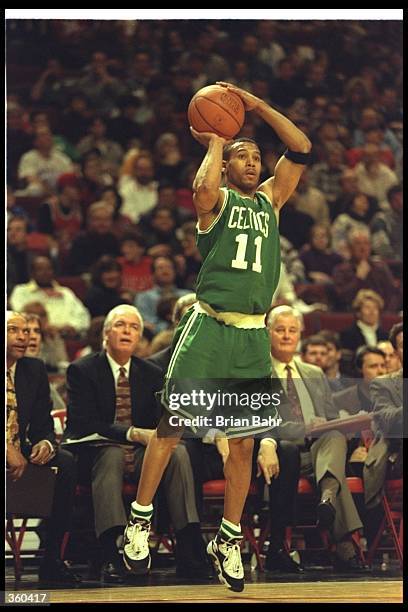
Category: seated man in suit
<point>369,363</point>
<point>31,439</point>
<point>306,402</point>
<point>385,453</point>
<point>112,393</point>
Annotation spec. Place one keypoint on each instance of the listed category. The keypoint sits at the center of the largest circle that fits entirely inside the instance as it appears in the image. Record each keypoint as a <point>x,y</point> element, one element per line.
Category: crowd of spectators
<point>98,139</point>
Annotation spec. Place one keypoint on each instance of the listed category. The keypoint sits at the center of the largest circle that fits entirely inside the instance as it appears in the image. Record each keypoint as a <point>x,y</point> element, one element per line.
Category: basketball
<point>215,109</point>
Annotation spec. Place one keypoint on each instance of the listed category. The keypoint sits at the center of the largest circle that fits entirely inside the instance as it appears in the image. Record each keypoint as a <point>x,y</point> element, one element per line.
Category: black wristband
<point>298,158</point>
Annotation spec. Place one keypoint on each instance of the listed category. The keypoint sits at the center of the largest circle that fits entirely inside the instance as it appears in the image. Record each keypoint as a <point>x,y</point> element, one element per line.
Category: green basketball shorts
<point>219,377</point>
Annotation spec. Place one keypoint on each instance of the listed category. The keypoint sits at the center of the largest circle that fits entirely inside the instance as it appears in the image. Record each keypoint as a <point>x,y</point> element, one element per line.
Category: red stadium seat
<point>339,321</point>
<point>388,319</point>
<point>335,321</point>
<point>392,522</point>
<point>311,323</point>
<point>38,243</point>
<point>307,516</point>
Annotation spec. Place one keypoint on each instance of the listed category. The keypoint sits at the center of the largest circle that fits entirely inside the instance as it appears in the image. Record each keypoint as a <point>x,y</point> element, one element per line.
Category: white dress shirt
<point>369,332</point>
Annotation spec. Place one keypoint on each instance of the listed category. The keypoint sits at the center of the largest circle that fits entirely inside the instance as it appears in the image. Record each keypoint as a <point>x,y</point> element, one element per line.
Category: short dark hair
<point>226,154</point>
<point>364,350</point>
<point>37,257</point>
<point>331,337</point>
<point>395,330</point>
<point>315,340</point>
<point>118,197</point>
<point>133,236</point>
<point>170,259</point>
<point>106,263</point>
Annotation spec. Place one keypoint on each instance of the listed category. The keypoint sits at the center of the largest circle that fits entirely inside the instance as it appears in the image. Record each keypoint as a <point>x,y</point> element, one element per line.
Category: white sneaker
<point>226,557</point>
<point>136,552</point>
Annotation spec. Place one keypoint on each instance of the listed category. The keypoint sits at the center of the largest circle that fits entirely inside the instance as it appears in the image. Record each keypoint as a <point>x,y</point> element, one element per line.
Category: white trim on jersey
<point>218,217</point>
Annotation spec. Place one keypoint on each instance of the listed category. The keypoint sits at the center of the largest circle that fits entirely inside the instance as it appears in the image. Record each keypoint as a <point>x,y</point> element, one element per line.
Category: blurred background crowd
<point>100,164</point>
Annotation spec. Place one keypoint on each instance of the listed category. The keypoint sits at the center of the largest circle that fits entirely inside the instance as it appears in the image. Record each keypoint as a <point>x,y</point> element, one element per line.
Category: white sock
<point>141,512</point>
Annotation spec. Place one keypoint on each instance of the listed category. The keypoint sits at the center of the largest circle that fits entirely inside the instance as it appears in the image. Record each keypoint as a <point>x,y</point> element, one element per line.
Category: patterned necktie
<point>12,416</point>
<point>293,397</point>
<point>124,414</point>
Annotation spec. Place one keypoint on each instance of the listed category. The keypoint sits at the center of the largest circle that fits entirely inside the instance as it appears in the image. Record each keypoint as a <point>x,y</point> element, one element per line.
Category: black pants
<point>283,493</point>
<point>63,503</point>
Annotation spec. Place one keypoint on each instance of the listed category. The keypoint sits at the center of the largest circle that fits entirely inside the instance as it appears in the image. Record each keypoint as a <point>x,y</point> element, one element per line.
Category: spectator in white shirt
<point>40,167</point>
<point>66,312</point>
<point>137,186</point>
<point>373,177</point>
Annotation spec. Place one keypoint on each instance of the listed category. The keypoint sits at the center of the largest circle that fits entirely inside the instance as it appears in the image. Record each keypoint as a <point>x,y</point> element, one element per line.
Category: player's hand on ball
<point>205,137</point>
<point>250,101</point>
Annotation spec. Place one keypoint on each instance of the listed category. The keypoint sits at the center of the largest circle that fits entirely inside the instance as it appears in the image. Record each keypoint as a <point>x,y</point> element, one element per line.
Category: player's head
<point>242,164</point>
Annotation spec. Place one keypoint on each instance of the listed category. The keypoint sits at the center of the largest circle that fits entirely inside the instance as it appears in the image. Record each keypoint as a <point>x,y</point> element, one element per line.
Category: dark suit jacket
<point>92,397</point>
<point>33,403</point>
<point>320,394</point>
<point>352,338</point>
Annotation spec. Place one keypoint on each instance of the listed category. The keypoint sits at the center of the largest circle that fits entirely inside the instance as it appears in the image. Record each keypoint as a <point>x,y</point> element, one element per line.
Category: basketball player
<point>224,335</point>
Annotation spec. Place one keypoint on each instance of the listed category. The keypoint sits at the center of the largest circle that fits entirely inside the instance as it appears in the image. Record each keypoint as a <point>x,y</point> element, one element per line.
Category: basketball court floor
<point>315,585</point>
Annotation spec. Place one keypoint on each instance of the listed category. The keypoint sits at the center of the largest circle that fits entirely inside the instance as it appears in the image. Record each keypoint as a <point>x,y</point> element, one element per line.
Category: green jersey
<point>241,255</point>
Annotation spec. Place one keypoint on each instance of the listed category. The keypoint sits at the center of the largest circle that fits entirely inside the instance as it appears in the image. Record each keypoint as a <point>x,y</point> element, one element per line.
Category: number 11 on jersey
<point>240,262</point>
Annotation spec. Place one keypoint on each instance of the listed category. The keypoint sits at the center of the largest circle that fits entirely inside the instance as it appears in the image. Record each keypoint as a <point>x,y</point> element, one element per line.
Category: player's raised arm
<point>291,165</point>
<point>206,185</point>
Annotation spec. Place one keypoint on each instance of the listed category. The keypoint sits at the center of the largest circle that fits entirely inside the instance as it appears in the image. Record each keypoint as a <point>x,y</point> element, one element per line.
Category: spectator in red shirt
<point>136,265</point>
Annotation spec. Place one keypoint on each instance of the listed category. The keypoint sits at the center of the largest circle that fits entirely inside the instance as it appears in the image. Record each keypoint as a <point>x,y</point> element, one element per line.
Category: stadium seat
<point>28,498</point>
<point>388,319</point>
<point>38,243</point>
<point>311,323</point>
<point>335,321</point>
<point>392,521</point>
<point>307,502</point>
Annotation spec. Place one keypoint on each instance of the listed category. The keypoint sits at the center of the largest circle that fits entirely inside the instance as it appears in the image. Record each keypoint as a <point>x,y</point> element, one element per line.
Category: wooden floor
<point>312,592</point>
